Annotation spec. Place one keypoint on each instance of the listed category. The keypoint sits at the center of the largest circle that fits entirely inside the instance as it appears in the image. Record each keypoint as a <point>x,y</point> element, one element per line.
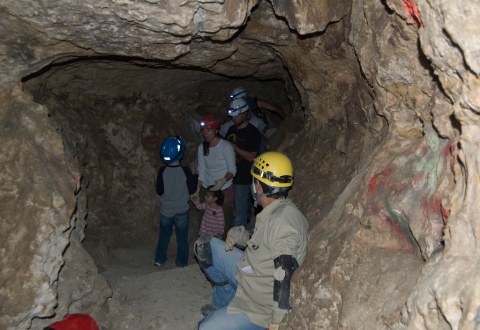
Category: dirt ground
<point>146,297</point>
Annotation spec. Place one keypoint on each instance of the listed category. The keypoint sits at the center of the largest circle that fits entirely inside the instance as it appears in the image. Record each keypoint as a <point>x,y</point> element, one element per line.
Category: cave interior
<point>381,109</point>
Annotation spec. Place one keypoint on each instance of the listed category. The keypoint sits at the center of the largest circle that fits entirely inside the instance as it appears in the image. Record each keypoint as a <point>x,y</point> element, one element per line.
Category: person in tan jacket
<point>251,287</point>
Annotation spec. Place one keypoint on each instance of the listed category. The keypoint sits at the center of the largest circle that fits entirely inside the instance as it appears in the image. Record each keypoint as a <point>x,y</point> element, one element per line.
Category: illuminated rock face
<point>382,127</point>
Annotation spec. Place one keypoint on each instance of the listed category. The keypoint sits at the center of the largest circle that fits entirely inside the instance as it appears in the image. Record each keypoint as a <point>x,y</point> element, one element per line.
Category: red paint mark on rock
<point>445,214</point>
<point>372,185</point>
<point>374,180</point>
<point>398,233</point>
<point>412,10</point>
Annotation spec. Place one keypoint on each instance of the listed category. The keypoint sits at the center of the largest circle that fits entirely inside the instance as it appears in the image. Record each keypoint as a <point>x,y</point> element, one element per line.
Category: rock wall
<point>383,133</point>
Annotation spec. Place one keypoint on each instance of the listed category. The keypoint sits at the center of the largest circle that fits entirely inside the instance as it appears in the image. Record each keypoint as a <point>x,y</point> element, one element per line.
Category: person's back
<point>174,185</point>
<point>246,138</point>
<point>175,196</point>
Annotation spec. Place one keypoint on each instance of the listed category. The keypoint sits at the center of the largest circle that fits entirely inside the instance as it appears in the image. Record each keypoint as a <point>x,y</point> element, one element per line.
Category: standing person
<point>216,165</point>
<point>251,288</point>
<point>246,143</point>
<point>256,114</point>
<point>213,221</point>
<point>174,184</point>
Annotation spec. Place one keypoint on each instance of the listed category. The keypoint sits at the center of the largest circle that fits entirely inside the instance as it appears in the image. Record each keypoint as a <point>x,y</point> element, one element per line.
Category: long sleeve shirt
<point>174,185</point>
<point>213,221</point>
<point>214,166</point>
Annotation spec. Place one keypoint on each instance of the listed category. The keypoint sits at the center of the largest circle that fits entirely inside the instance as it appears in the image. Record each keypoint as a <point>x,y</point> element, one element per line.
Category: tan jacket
<point>280,229</point>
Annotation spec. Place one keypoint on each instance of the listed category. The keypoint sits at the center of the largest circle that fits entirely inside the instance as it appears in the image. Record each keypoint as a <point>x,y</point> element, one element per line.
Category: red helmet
<point>209,121</point>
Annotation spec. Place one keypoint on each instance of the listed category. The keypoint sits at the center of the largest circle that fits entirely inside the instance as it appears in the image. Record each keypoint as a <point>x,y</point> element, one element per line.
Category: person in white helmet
<point>256,114</point>
<point>246,140</point>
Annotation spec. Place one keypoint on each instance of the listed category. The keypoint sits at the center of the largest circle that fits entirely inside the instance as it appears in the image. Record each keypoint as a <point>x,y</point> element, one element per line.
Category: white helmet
<point>237,106</point>
<point>237,93</point>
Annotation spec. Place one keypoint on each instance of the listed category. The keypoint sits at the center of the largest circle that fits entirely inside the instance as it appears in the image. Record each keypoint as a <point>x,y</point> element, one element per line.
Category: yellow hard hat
<point>274,169</point>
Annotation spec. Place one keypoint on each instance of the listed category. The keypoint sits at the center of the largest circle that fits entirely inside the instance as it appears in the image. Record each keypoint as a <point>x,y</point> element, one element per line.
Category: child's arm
<point>195,200</point>
<point>192,180</point>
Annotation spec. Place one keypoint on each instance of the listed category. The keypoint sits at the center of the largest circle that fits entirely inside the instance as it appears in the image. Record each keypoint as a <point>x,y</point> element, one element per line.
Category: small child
<point>213,221</point>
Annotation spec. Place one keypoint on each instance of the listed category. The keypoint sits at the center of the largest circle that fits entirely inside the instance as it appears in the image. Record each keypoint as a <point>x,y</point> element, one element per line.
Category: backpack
<point>253,106</point>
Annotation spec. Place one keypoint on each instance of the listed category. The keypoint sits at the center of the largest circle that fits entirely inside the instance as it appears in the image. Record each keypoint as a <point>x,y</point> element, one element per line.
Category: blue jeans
<point>180,220</point>
<point>224,269</point>
<point>242,204</point>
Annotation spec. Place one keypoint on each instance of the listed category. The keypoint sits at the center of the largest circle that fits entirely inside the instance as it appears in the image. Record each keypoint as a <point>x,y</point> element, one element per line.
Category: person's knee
<point>203,251</point>
<point>201,326</point>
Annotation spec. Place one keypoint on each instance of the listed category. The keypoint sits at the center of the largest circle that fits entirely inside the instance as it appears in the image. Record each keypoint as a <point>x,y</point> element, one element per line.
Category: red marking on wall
<point>417,178</point>
<point>372,185</point>
<point>446,150</point>
<point>436,205</point>
<point>412,10</point>
<point>398,233</point>
<point>437,208</point>
<point>374,180</point>
<point>445,214</point>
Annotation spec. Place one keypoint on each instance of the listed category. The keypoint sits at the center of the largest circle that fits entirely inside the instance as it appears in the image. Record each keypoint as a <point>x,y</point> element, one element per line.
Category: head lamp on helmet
<point>210,122</point>
<point>172,149</point>
<point>273,169</point>
<point>237,107</point>
<point>238,92</point>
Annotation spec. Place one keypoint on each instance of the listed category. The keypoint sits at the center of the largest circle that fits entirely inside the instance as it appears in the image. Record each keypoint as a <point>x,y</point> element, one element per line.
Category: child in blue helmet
<point>175,184</point>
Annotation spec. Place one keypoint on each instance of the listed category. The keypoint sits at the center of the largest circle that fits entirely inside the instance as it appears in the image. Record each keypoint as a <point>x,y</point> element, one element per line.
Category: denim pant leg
<point>224,269</point>
<point>181,230</point>
<point>165,232</point>
<point>263,145</point>
<point>242,200</point>
<point>221,320</point>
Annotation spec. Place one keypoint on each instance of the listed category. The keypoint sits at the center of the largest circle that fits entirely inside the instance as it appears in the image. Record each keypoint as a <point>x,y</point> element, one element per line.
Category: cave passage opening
<point>112,115</point>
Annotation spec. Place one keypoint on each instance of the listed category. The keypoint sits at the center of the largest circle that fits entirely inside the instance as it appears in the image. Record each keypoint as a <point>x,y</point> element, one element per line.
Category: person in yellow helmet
<point>251,275</point>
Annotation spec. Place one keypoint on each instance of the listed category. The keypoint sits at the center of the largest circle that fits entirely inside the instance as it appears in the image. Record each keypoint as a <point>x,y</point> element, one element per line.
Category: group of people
<point>250,271</point>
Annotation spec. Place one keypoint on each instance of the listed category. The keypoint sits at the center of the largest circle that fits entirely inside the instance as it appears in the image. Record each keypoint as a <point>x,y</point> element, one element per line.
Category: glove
<point>195,197</point>
<point>218,184</point>
<point>236,235</point>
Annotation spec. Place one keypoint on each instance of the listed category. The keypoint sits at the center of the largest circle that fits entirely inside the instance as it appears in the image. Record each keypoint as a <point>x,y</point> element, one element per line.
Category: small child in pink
<point>213,221</point>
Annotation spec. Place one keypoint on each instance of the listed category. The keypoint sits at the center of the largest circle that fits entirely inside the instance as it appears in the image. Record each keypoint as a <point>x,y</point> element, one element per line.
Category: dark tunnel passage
<point>113,116</point>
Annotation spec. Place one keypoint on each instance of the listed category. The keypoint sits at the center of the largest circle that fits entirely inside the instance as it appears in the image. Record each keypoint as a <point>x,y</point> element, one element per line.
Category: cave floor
<point>147,297</point>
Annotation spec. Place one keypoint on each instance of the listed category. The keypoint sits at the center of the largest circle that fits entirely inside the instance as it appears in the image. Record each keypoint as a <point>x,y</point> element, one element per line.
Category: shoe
<point>157,264</point>
<point>207,309</point>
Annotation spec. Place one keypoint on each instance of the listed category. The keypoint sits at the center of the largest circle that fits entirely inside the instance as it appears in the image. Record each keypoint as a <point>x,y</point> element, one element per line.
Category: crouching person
<point>251,284</point>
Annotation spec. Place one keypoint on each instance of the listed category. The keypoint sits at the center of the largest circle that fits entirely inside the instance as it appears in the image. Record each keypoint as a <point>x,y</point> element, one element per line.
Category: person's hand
<point>236,235</point>
<point>218,184</point>
<point>195,198</point>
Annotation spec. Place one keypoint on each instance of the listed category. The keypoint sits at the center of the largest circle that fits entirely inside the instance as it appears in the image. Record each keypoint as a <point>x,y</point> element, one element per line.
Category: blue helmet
<point>172,149</point>
<point>237,93</point>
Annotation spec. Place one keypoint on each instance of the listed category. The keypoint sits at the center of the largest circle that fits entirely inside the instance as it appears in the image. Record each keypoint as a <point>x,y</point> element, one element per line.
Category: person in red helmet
<point>216,165</point>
